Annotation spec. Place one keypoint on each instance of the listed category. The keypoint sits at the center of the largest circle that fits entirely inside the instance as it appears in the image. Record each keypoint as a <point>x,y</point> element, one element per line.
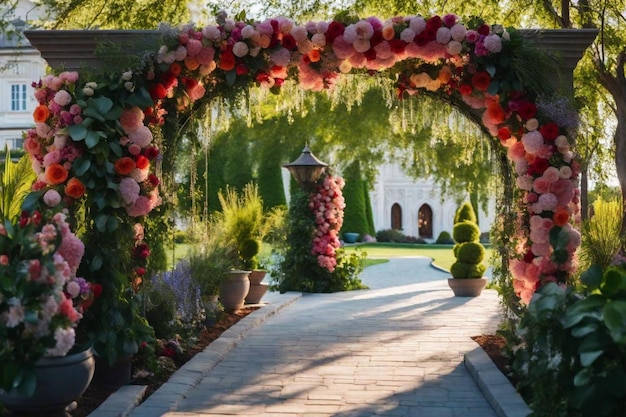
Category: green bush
<point>444,238</point>
<point>465,212</point>
<point>470,252</point>
<point>601,234</point>
<point>572,359</point>
<point>390,235</point>
<point>463,270</point>
<point>466,231</point>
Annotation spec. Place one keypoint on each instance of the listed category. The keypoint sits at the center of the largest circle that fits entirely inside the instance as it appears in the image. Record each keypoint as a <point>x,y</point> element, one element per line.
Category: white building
<point>20,65</point>
<point>415,206</point>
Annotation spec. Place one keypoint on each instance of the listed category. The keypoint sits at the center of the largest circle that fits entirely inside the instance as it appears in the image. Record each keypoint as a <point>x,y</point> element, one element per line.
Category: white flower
<point>417,24</point>
<point>88,91</point>
<point>247,32</point>
<point>65,339</point>
<point>443,35</point>
<point>127,76</point>
<point>240,49</point>
<point>129,86</point>
<point>15,316</point>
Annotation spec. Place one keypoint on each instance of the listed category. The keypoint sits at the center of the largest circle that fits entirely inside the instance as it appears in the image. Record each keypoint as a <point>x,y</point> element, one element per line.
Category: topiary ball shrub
<point>444,238</point>
<point>465,231</point>
<point>470,252</point>
<point>463,270</point>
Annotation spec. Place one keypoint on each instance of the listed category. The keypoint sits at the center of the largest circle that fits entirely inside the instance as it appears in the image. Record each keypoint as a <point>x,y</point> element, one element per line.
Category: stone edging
<point>124,402</point>
<point>505,401</point>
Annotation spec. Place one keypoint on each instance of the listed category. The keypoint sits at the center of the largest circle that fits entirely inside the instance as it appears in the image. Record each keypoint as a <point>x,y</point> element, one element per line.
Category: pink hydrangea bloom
<point>129,190</point>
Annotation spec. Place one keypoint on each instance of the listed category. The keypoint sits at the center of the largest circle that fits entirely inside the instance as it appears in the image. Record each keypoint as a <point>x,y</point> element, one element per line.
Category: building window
<point>425,221</point>
<point>18,97</point>
<point>396,217</point>
<point>14,143</point>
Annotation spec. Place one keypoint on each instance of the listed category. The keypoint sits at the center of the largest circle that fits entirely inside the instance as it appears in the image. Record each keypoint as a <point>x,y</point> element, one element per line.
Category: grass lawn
<point>442,254</point>
<point>376,252</point>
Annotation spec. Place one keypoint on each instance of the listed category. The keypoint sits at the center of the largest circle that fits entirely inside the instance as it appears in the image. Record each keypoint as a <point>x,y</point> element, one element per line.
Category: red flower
<point>140,271</point>
<point>465,89</point>
<point>75,188</point>
<point>96,289</point>
<point>481,80</point>
<point>504,133</point>
<point>153,180</point>
<point>538,166</point>
<point>169,80</point>
<point>376,38</point>
<point>549,131</point>
<point>527,110</point>
<point>434,22</point>
<point>158,91</point>
<point>370,54</point>
<point>227,60</point>
<point>397,46</point>
<point>151,152</point>
<point>334,29</point>
<point>169,352</point>
<point>561,217</point>
<point>289,42</point>
<point>141,251</point>
<point>142,162</point>
<point>242,69</point>
<point>124,165</point>
<point>483,30</point>
<point>175,69</point>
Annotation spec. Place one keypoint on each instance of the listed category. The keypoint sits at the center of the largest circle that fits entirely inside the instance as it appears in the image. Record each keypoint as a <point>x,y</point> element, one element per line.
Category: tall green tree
<point>355,213</point>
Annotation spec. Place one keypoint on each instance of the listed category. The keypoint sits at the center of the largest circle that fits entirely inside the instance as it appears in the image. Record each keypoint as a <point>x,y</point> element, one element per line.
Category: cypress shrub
<point>355,218</point>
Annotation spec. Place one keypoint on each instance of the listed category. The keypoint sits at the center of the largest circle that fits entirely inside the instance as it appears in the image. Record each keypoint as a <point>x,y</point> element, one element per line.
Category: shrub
<point>389,235</point>
<point>471,252</point>
<point>465,212</point>
<point>466,231</point>
<point>601,238</point>
<point>444,238</point>
<point>462,270</point>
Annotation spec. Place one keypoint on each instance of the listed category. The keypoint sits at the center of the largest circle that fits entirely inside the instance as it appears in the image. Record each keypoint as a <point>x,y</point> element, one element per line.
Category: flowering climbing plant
<point>97,131</point>
<point>327,204</point>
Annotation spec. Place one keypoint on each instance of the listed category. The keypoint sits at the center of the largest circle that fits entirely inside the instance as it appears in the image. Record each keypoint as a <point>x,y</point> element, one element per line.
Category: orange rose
<point>124,165</point>
<point>74,188</point>
<point>314,55</point>
<point>41,113</point>
<point>56,174</point>
<point>227,61</point>
<point>561,217</point>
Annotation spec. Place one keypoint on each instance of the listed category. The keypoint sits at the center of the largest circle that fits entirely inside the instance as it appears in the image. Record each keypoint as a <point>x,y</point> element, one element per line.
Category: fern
<point>601,238</point>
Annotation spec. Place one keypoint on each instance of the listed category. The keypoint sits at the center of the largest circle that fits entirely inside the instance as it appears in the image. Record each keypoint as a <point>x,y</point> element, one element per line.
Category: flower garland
<point>85,144</point>
<point>468,64</point>
<point>327,204</point>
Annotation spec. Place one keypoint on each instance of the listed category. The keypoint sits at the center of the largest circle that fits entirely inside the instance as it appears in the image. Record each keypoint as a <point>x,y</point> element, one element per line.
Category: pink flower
<point>458,32</point>
<point>142,136</point>
<point>472,36</point>
<point>129,190</point>
<point>52,198</point>
<point>548,201</point>
<point>525,182</point>
<point>493,43</point>
<point>62,98</point>
<point>532,141</point>
<point>131,119</point>
<point>541,185</point>
<point>140,207</point>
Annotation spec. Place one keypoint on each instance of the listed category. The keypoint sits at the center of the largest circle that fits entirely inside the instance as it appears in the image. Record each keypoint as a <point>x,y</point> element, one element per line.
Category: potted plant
<point>41,302</point>
<point>467,272</point>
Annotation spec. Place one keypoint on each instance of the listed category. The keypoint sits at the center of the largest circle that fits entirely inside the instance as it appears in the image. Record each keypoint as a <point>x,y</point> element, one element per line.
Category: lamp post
<point>307,168</point>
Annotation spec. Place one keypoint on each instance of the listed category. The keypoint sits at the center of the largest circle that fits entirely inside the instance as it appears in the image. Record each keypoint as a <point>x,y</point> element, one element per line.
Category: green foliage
<point>209,261</point>
<point>463,270</point>
<point>471,252</point>
<point>444,238</point>
<point>295,269</point>
<point>465,212</point>
<point>369,214</point>
<point>355,213</point>
<point>574,358</point>
<point>15,185</point>
<point>601,234</point>
<point>389,235</point>
<point>160,308</point>
<point>465,231</point>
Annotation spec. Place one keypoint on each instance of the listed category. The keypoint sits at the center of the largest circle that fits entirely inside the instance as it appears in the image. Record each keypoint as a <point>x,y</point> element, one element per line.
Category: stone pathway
<point>393,350</point>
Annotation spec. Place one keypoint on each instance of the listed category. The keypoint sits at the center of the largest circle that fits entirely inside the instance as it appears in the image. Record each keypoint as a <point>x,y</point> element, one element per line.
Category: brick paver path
<point>393,350</point>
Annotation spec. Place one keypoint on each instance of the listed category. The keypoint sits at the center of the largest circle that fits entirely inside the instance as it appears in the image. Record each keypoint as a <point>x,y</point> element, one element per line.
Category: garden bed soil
<point>94,396</point>
<point>493,345</point>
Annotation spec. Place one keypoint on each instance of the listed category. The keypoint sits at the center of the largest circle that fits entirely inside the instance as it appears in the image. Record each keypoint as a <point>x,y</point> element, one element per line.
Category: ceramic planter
<point>234,289</point>
<point>467,287</point>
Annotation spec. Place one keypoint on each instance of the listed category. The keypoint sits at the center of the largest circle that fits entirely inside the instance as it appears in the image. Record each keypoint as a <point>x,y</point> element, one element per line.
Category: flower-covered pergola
<point>97,131</point>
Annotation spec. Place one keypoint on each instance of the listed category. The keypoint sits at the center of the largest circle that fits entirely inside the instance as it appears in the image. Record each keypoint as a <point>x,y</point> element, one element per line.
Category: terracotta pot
<point>234,289</point>
<point>467,287</point>
<point>257,276</point>
<point>256,293</point>
<point>60,381</point>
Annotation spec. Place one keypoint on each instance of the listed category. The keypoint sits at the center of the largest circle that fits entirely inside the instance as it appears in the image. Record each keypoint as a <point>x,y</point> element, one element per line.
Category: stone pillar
<point>567,46</point>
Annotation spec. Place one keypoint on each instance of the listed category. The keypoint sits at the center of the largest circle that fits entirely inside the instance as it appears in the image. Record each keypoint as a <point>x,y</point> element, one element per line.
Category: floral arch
<point>99,136</point>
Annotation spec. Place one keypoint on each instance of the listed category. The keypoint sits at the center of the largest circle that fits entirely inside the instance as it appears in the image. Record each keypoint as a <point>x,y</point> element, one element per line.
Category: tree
<point>355,213</point>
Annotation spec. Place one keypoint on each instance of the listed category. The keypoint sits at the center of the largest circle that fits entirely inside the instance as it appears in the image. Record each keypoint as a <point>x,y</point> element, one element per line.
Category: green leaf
<point>614,282</point>
<point>101,104</point>
<point>493,88</point>
<point>130,347</point>
<point>96,263</point>
<point>587,358</point>
<point>231,76</point>
<point>588,307</point>
<point>491,69</point>
<point>615,319</point>
<point>112,224</point>
<point>116,149</point>
<point>583,377</point>
<point>114,114</point>
<point>101,222</point>
<point>77,132</point>
<point>592,277</point>
<point>81,166</point>
<point>92,139</point>
<point>583,331</point>
<point>92,113</point>
<point>28,383</point>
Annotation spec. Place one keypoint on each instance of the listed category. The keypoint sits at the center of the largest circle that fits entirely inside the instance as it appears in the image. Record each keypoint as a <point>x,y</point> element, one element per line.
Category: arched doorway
<point>425,221</point>
<point>396,217</point>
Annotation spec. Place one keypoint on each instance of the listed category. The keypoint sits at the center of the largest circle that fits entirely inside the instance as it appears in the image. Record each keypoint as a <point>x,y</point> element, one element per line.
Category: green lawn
<point>376,252</point>
<point>442,254</point>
